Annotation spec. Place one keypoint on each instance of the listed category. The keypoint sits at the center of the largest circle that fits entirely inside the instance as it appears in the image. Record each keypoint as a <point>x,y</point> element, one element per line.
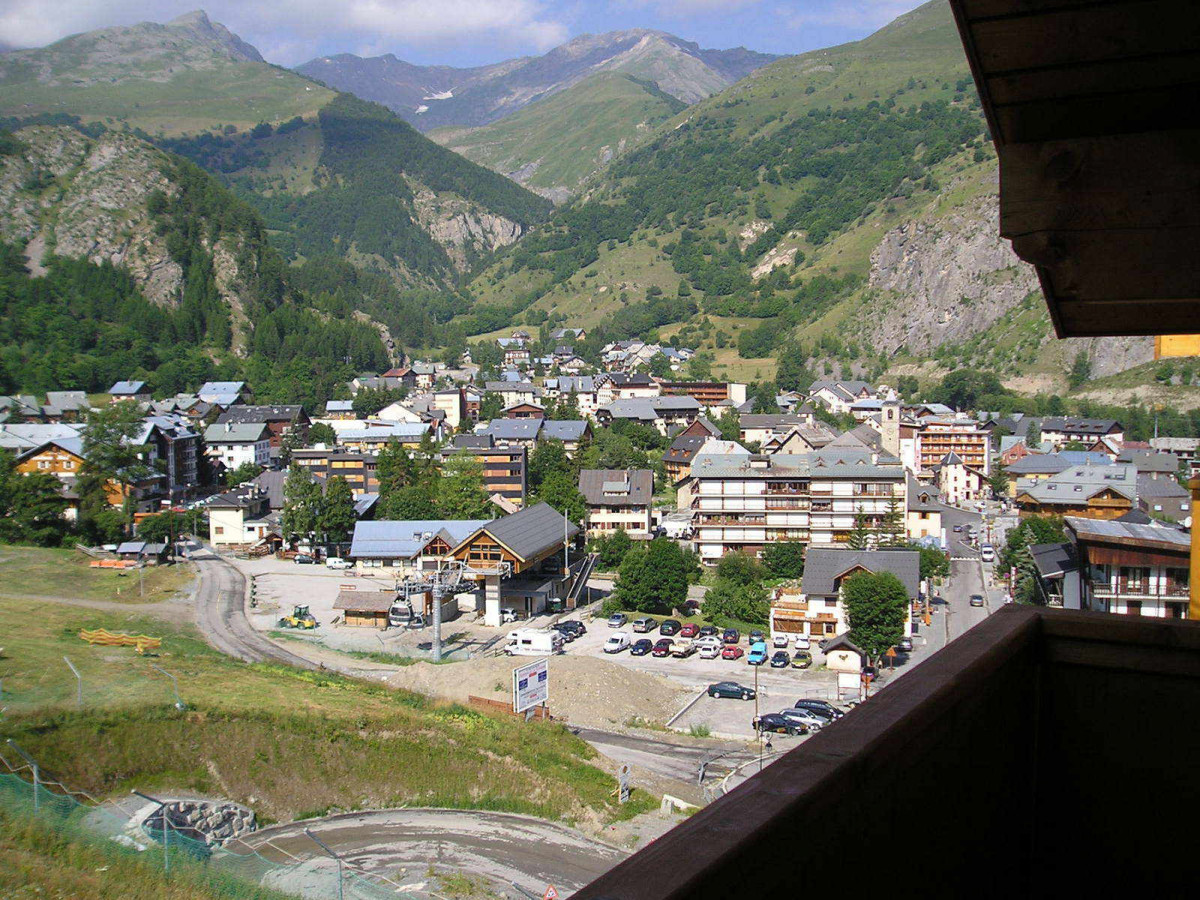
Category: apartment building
<point>357,468</point>
<point>744,501</point>
<point>504,467</point>
<point>938,437</point>
<point>708,394</point>
<point>1059,430</point>
<point>816,610</point>
<point>1129,567</point>
<point>618,500</point>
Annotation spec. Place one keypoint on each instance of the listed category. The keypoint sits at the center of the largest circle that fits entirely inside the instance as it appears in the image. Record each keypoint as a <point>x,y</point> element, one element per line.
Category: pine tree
<point>860,536</point>
<point>301,504</point>
<point>337,518</point>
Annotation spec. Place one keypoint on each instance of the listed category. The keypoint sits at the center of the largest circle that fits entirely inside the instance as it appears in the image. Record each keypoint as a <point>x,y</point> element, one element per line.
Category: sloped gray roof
<point>235,433</point>
<point>514,429</point>
<point>1054,560</point>
<point>636,487</point>
<point>1077,483</point>
<point>532,531</point>
<point>1038,464</point>
<point>564,429</point>
<point>404,539</point>
<point>243,413</point>
<point>824,565</point>
<point>127,387</point>
<point>365,601</point>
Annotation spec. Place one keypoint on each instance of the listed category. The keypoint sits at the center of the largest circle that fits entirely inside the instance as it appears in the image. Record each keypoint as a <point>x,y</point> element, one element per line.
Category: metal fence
<point>237,870</point>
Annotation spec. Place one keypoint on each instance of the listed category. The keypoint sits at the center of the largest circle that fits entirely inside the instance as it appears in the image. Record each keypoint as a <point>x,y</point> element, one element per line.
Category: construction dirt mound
<point>583,690</point>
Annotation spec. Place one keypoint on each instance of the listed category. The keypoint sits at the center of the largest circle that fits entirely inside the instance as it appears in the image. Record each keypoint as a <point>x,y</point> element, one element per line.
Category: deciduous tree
<point>876,606</point>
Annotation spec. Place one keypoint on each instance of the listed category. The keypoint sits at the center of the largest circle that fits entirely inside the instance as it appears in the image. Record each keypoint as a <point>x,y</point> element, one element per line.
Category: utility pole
<point>162,805</point>
<point>78,682</point>
<point>33,765</point>
<point>320,843</point>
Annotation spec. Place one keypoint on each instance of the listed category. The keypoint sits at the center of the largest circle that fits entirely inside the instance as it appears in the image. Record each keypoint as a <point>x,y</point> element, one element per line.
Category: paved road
<point>956,540</point>
<point>221,615</point>
<point>403,844</point>
<point>665,758</point>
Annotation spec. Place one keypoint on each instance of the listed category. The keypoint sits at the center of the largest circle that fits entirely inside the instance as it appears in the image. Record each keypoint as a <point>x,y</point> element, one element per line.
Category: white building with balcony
<point>743,501</point>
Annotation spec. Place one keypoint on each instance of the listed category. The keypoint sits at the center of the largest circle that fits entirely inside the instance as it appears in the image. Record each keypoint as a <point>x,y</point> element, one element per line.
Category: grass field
<point>38,571</point>
<point>288,743</point>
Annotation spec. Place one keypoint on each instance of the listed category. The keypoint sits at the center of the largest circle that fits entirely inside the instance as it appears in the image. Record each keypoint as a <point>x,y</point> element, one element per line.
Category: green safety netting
<point>237,870</point>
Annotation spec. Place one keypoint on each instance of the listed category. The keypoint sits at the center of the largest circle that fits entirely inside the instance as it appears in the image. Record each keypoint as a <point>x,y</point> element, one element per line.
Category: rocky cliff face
<point>946,278</point>
<point>84,198</point>
<point>464,230</point>
<point>949,277</point>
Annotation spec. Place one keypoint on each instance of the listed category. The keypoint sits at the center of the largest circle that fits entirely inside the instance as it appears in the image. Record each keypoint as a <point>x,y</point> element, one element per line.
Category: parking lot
<point>777,688</point>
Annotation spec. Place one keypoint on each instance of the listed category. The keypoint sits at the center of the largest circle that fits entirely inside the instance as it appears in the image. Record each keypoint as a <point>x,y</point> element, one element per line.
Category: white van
<point>334,562</point>
<point>532,642</point>
<point>988,553</point>
<point>617,641</point>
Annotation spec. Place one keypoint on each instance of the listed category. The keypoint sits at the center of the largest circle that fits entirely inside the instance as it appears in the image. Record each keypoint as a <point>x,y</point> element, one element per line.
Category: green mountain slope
<point>836,207</point>
<point>552,146</point>
<point>187,75</point>
<point>363,184</point>
<point>118,260</point>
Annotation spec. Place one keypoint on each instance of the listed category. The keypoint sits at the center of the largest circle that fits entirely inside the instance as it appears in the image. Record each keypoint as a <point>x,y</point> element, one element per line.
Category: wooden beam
<point>1067,37</point>
<point>1150,109</point>
<point>1141,181</point>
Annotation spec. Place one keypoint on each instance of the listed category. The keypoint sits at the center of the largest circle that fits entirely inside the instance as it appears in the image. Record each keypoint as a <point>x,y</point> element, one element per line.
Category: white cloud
<point>291,32</point>
<point>683,8</point>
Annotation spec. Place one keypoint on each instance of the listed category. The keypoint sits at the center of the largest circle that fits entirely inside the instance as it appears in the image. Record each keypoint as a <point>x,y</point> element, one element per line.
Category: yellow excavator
<point>300,618</point>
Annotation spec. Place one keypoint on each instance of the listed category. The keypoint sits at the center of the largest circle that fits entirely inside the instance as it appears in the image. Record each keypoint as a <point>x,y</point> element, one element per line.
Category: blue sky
<point>465,32</point>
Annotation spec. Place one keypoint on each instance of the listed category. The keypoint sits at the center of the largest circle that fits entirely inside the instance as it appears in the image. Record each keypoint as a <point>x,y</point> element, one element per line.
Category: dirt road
<point>221,615</point>
<point>404,845</point>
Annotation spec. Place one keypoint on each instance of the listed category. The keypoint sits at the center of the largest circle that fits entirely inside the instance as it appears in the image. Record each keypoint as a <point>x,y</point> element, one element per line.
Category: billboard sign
<point>531,685</point>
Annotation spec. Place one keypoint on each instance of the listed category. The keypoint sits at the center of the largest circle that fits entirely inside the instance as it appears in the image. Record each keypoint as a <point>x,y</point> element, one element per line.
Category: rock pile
<point>208,821</point>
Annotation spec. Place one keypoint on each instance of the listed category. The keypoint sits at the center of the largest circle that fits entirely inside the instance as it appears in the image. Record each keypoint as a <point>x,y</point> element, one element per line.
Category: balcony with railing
<point>788,488</point>
<point>980,763</point>
<point>1140,587</point>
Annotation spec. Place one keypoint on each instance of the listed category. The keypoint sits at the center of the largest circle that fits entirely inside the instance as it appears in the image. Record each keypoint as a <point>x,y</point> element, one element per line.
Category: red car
<point>662,647</point>
<point>732,651</point>
<point>690,630</point>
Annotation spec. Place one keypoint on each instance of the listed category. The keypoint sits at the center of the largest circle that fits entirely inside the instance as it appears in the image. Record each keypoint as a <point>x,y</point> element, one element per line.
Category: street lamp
<point>162,805</point>
<point>320,843</point>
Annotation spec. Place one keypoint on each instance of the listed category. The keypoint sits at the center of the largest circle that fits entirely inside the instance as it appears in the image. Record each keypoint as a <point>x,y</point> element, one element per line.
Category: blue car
<point>758,654</point>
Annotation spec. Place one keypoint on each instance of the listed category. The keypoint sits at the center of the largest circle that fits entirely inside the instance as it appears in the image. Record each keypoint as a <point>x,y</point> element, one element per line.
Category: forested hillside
<point>362,184</point>
<point>825,208</point>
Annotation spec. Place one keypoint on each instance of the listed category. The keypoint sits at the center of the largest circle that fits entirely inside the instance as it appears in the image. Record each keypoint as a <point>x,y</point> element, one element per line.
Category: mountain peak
<point>195,17</point>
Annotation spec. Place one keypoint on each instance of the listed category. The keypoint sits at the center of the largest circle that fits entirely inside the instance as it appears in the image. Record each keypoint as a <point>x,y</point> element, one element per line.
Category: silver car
<point>805,717</point>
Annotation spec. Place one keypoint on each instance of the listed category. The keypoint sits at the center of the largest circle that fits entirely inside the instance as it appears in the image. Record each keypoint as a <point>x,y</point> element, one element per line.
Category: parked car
<point>977,599</point>
<point>507,615</point>
<point>731,636</point>
<point>683,649</point>
<point>780,659</point>
<point>756,637</point>
<point>644,624</point>
<point>806,718</point>
<point>334,562</point>
<point>617,620</point>
<point>689,630</point>
<point>641,647</point>
<point>303,559</point>
<point>732,651</point>
<point>573,625</point>
<point>709,651</point>
<point>821,707</point>
<point>708,631</point>
<point>958,529</point>
<point>780,641</point>
<point>775,723</point>
<point>617,641</point>
<point>801,659</point>
<point>731,689</point>
<point>669,627</point>
<point>988,552</point>
<point>803,643</point>
<point>905,645</point>
<point>758,654</point>
<point>568,634</point>
<point>662,647</point>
